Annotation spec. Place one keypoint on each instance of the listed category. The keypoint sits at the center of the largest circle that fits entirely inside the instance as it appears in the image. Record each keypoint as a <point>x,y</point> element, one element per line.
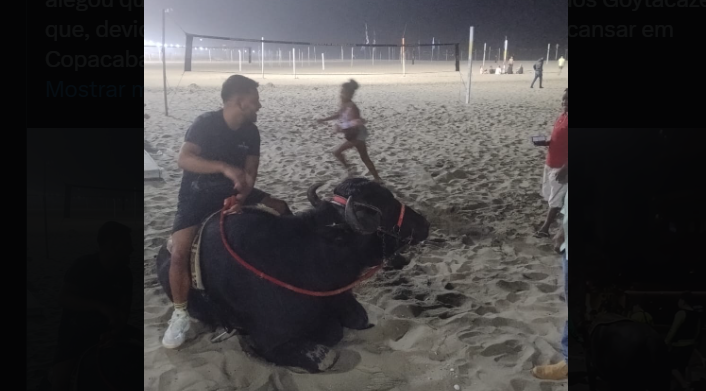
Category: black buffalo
<point>322,249</point>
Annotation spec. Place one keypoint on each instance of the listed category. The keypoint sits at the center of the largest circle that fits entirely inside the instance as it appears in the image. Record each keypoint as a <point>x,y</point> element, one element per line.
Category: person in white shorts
<point>556,168</point>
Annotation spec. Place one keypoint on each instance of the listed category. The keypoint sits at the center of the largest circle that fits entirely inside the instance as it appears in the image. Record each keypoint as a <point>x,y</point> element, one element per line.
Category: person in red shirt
<point>556,168</point>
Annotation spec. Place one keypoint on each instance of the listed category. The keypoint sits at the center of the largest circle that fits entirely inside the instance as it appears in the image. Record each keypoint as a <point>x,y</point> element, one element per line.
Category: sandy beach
<point>480,303</point>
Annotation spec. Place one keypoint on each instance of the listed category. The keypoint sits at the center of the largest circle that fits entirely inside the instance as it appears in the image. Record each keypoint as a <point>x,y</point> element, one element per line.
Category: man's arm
<point>252,163</point>
<point>190,160</point>
<point>329,118</point>
<point>563,174</point>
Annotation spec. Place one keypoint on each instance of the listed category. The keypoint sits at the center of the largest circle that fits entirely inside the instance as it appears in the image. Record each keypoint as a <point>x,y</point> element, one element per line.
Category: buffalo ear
<point>362,218</point>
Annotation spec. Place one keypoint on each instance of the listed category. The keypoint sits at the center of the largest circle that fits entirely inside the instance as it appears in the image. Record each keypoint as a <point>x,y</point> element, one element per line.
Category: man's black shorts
<point>193,211</point>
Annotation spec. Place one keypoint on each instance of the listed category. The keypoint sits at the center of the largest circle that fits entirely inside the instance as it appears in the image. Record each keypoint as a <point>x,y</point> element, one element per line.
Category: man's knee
<point>181,247</point>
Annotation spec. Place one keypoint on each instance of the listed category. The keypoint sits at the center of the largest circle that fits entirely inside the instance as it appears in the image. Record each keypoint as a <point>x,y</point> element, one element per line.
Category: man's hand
<point>237,175</point>
<point>562,176</point>
<point>243,190</point>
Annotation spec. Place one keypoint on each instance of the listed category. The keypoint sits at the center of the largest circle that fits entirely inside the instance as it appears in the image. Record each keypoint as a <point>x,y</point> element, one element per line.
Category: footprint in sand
<point>535,276</point>
<point>451,299</point>
<point>507,347</point>
<point>513,286</point>
<point>546,288</point>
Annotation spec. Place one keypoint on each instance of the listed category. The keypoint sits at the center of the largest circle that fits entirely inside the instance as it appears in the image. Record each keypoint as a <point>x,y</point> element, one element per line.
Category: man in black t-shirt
<point>220,156</point>
<point>96,298</point>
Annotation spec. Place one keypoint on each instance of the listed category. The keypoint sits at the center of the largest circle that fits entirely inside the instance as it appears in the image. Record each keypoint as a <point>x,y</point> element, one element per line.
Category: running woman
<point>352,126</point>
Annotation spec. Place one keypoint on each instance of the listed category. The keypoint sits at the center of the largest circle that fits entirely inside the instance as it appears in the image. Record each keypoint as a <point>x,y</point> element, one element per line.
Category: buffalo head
<point>369,208</point>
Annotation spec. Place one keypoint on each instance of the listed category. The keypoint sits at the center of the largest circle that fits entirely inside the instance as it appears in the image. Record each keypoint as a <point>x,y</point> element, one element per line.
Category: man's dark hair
<point>237,85</point>
<point>110,231</point>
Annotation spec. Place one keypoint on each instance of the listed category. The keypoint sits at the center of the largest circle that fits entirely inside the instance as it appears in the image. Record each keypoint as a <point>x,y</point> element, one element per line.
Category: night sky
<point>532,23</point>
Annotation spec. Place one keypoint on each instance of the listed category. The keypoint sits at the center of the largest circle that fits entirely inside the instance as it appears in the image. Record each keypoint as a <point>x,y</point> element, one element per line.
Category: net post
<point>483,66</point>
<point>404,71</point>
<point>549,45</point>
<point>323,63</point>
<point>262,57</point>
<point>351,57</point>
<point>294,62</point>
<point>187,51</point>
<point>164,63</point>
<point>470,66</point>
<point>240,61</point>
<point>458,65</point>
<point>505,52</point>
<point>249,55</point>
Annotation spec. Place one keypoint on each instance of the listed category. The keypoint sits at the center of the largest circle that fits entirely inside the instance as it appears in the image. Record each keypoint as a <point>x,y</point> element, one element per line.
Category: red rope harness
<point>229,202</point>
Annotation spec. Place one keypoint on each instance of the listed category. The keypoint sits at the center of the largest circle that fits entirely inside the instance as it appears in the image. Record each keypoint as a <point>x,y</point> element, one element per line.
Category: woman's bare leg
<point>338,153</point>
<point>363,151</point>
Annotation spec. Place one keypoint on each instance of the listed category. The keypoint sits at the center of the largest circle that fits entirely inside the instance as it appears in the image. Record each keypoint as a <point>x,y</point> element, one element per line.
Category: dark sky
<point>527,23</point>
<point>89,157</point>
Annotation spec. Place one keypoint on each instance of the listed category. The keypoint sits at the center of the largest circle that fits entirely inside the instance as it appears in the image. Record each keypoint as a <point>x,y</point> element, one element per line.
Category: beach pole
<point>240,60</point>
<point>505,53</point>
<point>164,64</point>
<point>231,55</point>
<point>404,71</point>
<point>548,46</point>
<point>483,55</point>
<point>470,66</point>
<point>373,56</point>
<point>351,57</point>
<point>457,58</point>
<point>556,54</point>
<point>323,63</point>
<point>209,55</point>
<point>294,63</point>
<point>342,54</point>
<point>262,57</point>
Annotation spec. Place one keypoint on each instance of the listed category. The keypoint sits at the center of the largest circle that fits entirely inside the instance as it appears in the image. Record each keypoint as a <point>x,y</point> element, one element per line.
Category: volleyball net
<point>204,53</point>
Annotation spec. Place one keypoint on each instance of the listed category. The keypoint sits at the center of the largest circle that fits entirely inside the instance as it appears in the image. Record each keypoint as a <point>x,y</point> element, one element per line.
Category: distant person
<point>538,68</point>
<point>96,297</point>
<point>683,336</point>
<point>509,66</point>
<point>481,69</point>
<point>498,70</point>
<point>352,126</point>
<point>556,167</point>
<point>560,370</point>
<point>561,63</point>
<point>520,70</point>
<point>220,155</point>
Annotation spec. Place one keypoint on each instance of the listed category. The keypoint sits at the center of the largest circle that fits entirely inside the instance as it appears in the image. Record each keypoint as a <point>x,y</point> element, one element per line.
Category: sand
<point>480,303</point>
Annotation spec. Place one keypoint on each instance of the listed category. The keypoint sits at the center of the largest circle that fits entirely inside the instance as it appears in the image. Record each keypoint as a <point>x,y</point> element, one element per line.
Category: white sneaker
<point>176,332</point>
